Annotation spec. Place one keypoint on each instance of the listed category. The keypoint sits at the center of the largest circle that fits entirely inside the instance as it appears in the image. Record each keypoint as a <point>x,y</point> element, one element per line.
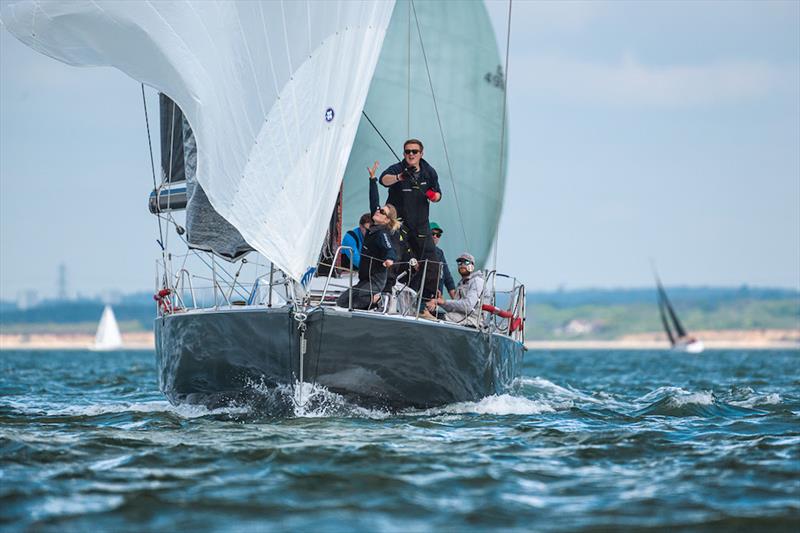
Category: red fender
<point>516,322</point>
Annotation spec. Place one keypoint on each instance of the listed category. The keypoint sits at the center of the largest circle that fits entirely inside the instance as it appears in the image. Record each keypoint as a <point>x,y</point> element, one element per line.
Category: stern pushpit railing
<point>504,310</point>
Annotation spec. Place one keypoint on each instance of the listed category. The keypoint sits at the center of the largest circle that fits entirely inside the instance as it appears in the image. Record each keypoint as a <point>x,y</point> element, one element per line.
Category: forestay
<point>272,90</point>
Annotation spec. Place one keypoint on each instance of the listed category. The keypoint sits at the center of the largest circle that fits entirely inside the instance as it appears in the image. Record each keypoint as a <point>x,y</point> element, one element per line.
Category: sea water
<point>587,440</point>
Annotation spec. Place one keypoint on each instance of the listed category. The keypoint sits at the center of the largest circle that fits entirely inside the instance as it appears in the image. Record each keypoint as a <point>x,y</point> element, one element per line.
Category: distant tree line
<point>613,311</point>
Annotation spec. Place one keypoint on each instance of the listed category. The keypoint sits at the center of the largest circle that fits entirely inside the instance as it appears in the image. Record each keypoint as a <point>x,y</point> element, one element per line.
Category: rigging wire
<point>503,131</point>
<point>503,127</point>
<point>439,122</point>
<point>389,146</point>
<point>408,79</point>
<point>153,169</point>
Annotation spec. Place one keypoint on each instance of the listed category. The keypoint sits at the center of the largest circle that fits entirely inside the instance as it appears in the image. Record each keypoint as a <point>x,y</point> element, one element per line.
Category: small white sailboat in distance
<point>107,337</point>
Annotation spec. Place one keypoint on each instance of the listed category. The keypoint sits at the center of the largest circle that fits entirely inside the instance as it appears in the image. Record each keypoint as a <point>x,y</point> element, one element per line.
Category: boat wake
<point>502,404</point>
<point>304,400</point>
<point>529,396</point>
<point>562,397</point>
<point>311,400</point>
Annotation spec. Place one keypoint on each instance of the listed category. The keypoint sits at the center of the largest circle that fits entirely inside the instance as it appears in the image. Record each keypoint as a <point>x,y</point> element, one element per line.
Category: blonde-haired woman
<point>377,252</point>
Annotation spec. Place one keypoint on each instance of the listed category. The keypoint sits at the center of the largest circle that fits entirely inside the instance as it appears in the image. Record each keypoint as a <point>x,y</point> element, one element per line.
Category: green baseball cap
<point>435,226</point>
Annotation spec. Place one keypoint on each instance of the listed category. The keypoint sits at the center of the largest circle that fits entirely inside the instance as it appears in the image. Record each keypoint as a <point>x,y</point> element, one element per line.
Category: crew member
<point>354,239</point>
<point>413,184</point>
<point>446,280</point>
<point>377,254</point>
<point>465,309</point>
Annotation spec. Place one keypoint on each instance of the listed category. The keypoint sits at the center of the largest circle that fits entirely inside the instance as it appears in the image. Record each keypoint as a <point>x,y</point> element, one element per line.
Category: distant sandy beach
<point>730,339</point>
<point>713,339</point>
<point>143,340</point>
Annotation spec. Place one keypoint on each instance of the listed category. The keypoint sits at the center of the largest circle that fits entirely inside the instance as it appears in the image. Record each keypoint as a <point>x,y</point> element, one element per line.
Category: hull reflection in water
<point>213,357</point>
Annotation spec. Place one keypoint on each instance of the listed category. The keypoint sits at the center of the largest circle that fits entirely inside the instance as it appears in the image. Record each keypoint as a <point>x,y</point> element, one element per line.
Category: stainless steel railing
<point>505,294</point>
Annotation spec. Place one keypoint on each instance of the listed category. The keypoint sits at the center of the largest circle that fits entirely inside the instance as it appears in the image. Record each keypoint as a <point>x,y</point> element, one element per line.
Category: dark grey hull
<point>215,357</point>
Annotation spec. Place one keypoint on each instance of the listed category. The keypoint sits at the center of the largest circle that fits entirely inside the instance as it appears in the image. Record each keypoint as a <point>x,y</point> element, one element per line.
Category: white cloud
<point>627,82</point>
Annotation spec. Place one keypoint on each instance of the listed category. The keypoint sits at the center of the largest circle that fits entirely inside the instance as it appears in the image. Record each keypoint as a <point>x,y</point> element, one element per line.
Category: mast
<point>333,239</point>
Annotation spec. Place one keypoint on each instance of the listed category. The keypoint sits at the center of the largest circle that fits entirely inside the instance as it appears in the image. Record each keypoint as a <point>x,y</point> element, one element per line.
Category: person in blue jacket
<point>377,252</point>
<point>354,239</point>
<point>446,279</point>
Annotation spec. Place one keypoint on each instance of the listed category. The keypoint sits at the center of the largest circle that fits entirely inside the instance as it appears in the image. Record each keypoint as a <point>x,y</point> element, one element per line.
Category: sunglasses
<point>410,152</point>
<point>463,261</point>
<point>437,233</point>
<point>382,212</point>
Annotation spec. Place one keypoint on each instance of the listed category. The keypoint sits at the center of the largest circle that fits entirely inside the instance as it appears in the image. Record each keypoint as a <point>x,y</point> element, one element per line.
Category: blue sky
<point>668,130</point>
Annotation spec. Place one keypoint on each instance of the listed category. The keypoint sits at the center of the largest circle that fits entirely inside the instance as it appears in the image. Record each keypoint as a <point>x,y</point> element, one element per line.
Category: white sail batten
<point>273,91</point>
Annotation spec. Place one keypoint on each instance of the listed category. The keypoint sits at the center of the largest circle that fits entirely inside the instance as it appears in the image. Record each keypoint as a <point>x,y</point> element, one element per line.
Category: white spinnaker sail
<point>272,89</point>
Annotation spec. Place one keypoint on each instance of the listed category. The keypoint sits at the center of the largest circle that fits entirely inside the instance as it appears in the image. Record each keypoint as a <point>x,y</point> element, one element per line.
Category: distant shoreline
<point>756,339</point>
<point>629,345</point>
<point>729,339</point>
<point>143,340</point>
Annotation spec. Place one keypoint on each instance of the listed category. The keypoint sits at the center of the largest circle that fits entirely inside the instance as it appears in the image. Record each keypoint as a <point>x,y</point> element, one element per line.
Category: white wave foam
<point>568,396</point>
<point>677,397</point>
<point>312,400</point>
<point>78,504</point>
<point>526,499</point>
<point>761,399</point>
<point>110,464</point>
<point>661,393</point>
<point>315,401</point>
<point>693,398</point>
<point>155,406</point>
<point>503,404</point>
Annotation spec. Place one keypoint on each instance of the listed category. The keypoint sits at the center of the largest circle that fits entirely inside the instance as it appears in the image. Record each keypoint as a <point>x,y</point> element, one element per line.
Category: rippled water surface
<point>589,440</point>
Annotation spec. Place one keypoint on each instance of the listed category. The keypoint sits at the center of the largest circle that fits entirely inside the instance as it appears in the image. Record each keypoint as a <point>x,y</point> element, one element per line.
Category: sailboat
<point>107,337</point>
<point>269,111</point>
<point>679,338</point>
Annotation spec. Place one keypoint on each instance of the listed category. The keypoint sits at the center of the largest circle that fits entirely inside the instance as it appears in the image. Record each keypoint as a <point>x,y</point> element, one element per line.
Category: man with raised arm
<point>413,184</point>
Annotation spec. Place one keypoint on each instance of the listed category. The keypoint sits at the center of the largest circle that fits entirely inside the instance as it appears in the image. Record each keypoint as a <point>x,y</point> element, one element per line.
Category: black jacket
<point>408,196</point>
<point>377,245</point>
<point>376,249</point>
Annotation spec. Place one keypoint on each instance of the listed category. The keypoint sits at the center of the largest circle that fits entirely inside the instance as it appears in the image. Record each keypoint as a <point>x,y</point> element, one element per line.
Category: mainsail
<point>273,92</point>
<point>458,41</point>
<point>668,314</point>
<point>664,321</point>
<point>205,228</point>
